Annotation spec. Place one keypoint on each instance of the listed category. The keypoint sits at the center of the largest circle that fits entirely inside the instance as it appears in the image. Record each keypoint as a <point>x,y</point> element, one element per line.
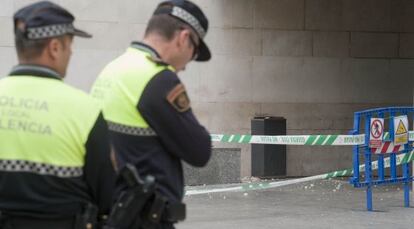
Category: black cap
<point>191,14</point>
<point>44,20</point>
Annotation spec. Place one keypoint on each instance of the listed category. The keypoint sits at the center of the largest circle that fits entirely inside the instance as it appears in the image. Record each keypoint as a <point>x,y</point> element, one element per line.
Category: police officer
<point>152,125</point>
<point>55,167</point>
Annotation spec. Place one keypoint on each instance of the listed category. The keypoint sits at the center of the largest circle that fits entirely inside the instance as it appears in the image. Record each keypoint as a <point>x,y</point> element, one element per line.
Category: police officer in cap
<point>151,123</point>
<point>55,167</point>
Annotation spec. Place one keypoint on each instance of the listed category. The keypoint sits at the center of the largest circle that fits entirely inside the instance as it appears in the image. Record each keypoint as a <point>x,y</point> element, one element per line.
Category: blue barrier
<point>390,144</point>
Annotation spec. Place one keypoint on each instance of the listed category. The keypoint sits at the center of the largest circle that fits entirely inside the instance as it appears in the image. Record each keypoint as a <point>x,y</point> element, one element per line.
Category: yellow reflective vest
<point>119,89</point>
<point>44,125</point>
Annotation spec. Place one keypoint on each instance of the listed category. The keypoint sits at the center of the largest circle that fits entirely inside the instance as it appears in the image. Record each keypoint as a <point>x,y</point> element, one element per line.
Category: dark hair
<point>165,26</point>
<point>29,49</point>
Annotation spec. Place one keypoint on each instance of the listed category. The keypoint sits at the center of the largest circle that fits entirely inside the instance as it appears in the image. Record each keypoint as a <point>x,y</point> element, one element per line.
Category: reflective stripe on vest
<point>44,125</point>
<point>119,87</point>
<point>40,168</point>
<point>137,131</point>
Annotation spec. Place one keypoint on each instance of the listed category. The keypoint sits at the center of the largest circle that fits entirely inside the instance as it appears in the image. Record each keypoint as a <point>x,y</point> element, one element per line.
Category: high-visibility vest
<point>44,126</point>
<point>119,87</point>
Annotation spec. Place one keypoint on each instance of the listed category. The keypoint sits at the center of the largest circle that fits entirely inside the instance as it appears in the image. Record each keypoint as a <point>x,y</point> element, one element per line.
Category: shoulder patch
<point>178,98</point>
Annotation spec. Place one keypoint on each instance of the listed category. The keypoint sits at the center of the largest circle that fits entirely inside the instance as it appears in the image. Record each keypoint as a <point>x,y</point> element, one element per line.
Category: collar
<point>34,70</point>
<point>146,48</point>
<point>154,55</point>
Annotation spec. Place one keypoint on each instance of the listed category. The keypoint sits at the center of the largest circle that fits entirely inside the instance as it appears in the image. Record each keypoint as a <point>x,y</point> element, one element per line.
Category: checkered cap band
<point>190,19</point>
<point>49,31</point>
<point>131,130</point>
<point>40,168</point>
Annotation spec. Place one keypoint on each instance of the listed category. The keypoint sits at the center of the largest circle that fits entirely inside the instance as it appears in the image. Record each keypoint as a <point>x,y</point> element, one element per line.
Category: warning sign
<point>376,132</point>
<point>400,130</point>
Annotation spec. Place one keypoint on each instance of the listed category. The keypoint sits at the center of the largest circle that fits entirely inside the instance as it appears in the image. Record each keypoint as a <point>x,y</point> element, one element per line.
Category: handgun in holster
<point>126,213</point>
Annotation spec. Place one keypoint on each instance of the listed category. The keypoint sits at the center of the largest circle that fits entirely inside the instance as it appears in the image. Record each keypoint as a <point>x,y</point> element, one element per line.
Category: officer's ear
<point>54,48</point>
<point>182,38</point>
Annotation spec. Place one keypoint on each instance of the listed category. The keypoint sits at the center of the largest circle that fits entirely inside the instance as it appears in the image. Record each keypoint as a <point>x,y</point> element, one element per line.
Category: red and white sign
<point>388,147</point>
<point>376,132</point>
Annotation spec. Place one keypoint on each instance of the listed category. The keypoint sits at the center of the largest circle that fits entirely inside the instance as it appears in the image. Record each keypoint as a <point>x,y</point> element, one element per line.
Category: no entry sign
<point>376,132</point>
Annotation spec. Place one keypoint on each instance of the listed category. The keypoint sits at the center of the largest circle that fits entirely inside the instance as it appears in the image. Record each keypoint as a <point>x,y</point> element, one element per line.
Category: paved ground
<point>318,205</point>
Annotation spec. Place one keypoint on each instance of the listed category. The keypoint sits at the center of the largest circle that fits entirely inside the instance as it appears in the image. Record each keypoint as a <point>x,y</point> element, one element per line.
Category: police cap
<point>191,14</point>
<point>45,20</point>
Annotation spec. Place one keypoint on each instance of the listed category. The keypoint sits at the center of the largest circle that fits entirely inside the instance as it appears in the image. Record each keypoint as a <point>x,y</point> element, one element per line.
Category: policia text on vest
<point>141,137</point>
<point>53,164</point>
<point>15,115</point>
<point>55,167</point>
<point>152,126</point>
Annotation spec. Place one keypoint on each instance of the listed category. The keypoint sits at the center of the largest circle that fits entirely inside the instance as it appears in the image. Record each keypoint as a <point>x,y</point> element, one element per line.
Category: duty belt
<point>18,222</point>
<point>131,130</point>
<point>140,205</point>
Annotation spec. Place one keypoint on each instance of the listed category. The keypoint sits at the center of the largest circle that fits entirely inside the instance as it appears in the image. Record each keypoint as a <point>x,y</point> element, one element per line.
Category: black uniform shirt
<point>23,193</point>
<point>179,135</point>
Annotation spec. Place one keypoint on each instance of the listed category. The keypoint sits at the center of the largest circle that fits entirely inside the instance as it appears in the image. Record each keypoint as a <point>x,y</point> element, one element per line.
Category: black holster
<point>140,206</point>
<point>125,213</point>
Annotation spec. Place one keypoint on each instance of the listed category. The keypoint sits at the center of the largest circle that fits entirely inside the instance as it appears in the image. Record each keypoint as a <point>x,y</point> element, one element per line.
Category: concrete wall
<point>223,168</point>
<point>313,62</point>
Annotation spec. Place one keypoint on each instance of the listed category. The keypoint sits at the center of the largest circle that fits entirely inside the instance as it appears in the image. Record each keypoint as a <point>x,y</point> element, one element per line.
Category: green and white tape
<point>319,140</point>
<point>401,159</point>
